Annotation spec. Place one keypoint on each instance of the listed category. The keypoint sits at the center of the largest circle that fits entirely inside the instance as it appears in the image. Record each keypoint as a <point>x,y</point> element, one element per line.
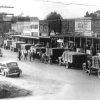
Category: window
<point>80,25</point>
<point>34,26</point>
<point>11,64</point>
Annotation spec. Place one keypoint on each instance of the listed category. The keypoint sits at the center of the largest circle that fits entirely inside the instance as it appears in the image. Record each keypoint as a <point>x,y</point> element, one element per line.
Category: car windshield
<point>12,64</point>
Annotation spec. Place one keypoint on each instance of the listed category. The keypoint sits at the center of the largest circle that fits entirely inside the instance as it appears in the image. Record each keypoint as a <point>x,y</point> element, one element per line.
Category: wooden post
<point>96,48</point>
<point>86,45</point>
<point>69,38</point>
<point>99,44</point>
<point>92,41</point>
<point>80,42</point>
<point>74,40</point>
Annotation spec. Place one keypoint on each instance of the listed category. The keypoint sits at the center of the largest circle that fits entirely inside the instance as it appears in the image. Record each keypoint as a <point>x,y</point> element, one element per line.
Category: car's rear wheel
<point>5,74</point>
<point>68,65</point>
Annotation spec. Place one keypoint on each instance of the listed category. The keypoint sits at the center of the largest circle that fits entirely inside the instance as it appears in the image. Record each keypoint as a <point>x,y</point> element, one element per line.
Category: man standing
<point>19,54</point>
<point>25,54</point>
<point>30,55</point>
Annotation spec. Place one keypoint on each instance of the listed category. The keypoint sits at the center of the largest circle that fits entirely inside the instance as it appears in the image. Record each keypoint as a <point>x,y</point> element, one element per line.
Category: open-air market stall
<point>72,59</point>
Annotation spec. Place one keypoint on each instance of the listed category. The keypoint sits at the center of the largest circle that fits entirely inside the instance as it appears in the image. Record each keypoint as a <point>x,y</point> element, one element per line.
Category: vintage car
<point>38,51</point>
<point>54,53</point>
<point>9,68</point>
<point>72,59</point>
<point>92,65</point>
<point>26,46</point>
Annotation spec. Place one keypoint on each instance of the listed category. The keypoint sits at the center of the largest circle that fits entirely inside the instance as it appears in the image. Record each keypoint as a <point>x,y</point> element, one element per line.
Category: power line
<point>85,18</point>
<point>62,3</point>
<point>6,6</point>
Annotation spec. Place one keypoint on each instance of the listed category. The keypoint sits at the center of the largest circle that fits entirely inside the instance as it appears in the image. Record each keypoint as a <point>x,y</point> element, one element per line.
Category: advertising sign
<point>83,26</point>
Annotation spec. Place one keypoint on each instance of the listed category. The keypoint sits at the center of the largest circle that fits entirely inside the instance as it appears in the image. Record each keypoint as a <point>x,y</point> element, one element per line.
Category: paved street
<point>53,82</point>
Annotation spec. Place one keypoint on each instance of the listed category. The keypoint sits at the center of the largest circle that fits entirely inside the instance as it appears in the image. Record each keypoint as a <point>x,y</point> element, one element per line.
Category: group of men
<point>25,54</point>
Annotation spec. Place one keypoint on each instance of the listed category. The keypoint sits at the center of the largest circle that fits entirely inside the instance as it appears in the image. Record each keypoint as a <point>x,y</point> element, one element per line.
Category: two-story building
<point>33,31</point>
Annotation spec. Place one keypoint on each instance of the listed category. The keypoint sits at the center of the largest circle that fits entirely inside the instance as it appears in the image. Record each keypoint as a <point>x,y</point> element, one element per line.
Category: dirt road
<point>52,82</point>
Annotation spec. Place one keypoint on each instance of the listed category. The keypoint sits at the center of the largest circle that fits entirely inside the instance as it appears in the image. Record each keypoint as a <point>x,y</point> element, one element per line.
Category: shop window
<point>34,26</point>
<point>80,25</point>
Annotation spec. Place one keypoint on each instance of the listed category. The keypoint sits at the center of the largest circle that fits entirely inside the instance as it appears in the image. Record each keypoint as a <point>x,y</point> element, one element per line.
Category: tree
<point>87,14</point>
<point>54,22</point>
<point>92,15</point>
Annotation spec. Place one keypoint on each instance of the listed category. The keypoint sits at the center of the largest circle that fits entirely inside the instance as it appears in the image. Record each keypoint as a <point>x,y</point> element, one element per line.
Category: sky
<point>40,8</point>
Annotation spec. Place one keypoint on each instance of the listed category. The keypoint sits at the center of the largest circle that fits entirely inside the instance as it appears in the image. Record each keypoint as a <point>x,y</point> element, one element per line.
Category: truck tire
<point>98,73</point>
<point>68,65</point>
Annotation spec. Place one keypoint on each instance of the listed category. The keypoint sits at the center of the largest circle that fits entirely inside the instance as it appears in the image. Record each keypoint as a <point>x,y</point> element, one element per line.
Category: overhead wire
<point>59,2</point>
<point>62,3</point>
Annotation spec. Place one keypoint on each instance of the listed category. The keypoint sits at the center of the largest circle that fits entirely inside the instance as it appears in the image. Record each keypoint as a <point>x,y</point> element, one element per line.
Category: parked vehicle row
<point>62,56</point>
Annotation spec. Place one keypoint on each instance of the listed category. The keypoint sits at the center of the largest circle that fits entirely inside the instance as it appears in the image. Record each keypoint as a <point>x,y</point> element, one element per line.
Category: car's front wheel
<point>18,75</point>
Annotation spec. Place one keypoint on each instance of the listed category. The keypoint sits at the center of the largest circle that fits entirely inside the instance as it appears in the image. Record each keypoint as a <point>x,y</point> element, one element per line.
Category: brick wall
<point>68,26</point>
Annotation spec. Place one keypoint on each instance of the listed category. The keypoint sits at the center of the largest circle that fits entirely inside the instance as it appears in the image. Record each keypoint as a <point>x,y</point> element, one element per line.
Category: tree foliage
<point>92,15</point>
<point>54,21</point>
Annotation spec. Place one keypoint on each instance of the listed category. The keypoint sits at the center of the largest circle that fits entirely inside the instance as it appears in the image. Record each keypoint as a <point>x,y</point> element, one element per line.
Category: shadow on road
<point>8,90</point>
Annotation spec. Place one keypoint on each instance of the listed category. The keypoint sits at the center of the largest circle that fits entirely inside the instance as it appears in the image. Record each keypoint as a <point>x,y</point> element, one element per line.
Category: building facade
<point>43,28</point>
<point>68,27</point>
<point>83,26</point>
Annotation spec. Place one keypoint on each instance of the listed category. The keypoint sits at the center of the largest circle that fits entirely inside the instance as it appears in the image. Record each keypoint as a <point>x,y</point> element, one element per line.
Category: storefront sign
<point>83,26</point>
<point>34,34</point>
<point>44,34</point>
